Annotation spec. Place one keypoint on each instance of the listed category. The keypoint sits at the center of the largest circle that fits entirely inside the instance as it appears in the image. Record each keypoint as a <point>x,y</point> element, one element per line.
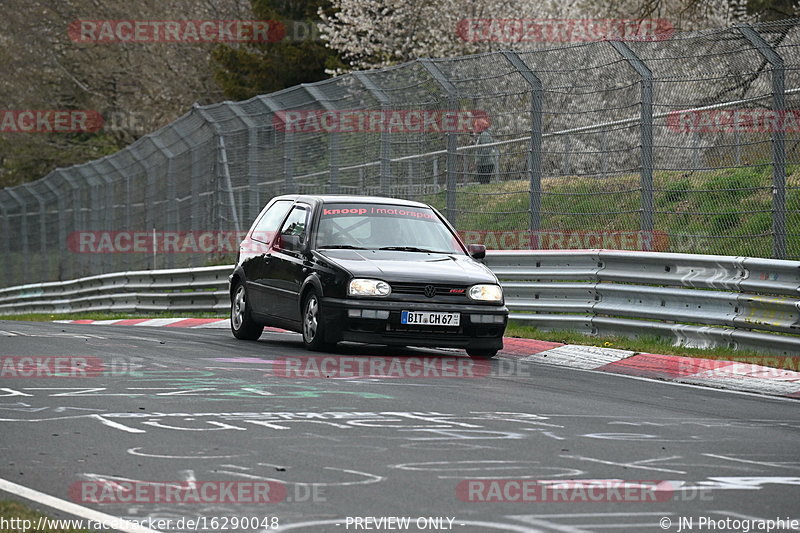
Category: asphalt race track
<point>196,405</point>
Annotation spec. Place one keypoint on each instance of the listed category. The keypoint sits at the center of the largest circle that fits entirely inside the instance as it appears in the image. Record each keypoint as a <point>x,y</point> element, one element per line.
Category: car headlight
<point>486,293</point>
<point>368,287</point>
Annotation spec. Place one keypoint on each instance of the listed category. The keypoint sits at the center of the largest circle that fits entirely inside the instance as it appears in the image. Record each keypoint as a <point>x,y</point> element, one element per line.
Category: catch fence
<point>688,144</point>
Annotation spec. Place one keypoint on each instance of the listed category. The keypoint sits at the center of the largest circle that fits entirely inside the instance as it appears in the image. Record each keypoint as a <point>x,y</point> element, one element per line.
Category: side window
<point>293,231</point>
<point>267,226</point>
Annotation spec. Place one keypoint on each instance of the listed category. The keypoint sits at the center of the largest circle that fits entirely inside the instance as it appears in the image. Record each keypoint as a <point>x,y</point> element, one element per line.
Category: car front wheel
<point>242,324</point>
<point>313,326</point>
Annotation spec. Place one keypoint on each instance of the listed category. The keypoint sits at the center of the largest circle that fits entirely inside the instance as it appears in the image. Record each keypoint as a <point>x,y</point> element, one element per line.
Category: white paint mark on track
<point>115,425</point>
<point>137,451</point>
<point>792,466</point>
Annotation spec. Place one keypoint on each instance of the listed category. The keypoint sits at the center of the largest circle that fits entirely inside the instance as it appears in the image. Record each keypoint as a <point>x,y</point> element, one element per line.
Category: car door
<point>288,266</point>
<point>256,255</point>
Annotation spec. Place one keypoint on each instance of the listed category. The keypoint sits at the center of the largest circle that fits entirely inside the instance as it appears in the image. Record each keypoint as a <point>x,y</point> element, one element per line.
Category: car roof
<point>350,198</point>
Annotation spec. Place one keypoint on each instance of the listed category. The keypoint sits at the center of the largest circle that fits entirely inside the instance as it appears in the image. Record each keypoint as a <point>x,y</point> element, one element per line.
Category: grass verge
<point>726,211</point>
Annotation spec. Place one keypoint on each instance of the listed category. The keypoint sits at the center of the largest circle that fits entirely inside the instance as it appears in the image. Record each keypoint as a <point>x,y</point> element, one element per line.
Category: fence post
<point>535,148</point>
<point>253,195</point>
<point>289,185</point>
<point>149,201</point>
<point>147,197</point>
<point>23,230</point>
<point>171,202</point>
<point>42,229</point>
<point>778,139</point>
<point>223,170</point>
<point>62,224</point>
<point>333,139</point>
<point>452,141</point>
<point>76,215</point>
<point>385,138</point>
<point>225,175</point>
<point>95,214</point>
<point>6,249</point>
<point>737,135</point>
<point>646,126</point>
<point>126,218</point>
<point>196,215</point>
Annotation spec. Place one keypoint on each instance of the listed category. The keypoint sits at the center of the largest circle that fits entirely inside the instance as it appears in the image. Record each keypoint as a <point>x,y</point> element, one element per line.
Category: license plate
<point>430,318</point>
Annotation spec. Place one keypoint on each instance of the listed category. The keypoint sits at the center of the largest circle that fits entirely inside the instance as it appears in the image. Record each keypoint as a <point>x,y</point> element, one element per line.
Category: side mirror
<point>288,242</point>
<point>476,251</point>
<point>295,243</point>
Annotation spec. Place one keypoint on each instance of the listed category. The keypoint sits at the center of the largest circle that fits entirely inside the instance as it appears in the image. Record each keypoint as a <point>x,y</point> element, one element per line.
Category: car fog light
<point>486,319</point>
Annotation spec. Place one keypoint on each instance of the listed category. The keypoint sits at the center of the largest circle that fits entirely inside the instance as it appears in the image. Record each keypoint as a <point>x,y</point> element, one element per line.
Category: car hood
<point>392,265</point>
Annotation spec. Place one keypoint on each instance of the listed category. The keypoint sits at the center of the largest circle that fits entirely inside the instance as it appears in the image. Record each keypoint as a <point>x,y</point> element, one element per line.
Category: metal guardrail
<point>695,300</point>
<point>180,290</point>
<point>692,137</point>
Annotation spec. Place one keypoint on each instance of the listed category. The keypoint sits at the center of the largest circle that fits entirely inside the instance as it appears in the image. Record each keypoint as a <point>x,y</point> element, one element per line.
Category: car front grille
<point>442,291</point>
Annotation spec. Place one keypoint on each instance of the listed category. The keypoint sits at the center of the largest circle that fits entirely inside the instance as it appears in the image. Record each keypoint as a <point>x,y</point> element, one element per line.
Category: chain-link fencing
<point>686,145</point>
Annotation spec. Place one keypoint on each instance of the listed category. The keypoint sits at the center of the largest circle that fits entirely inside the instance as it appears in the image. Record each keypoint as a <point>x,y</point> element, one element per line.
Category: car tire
<point>313,325</point>
<point>481,354</point>
<point>242,324</point>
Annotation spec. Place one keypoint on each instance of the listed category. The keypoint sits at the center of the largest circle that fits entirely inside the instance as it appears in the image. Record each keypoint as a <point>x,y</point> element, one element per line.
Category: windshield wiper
<point>411,249</point>
<point>342,247</point>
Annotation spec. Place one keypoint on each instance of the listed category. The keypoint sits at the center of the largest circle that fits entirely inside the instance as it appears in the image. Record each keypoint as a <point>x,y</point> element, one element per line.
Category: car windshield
<point>384,227</point>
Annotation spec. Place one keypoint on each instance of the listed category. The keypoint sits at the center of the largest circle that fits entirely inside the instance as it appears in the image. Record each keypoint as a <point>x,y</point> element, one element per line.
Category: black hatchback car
<point>365,269</point>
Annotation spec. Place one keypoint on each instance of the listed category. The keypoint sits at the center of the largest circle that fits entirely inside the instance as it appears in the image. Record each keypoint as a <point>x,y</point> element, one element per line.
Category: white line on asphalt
<point>115,425</point>
<point>760,463</point>
<point>637,464</point>
<point>113,522</point>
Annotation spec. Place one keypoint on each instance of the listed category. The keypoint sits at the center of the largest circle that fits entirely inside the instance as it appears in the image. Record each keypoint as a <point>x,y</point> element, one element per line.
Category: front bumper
<point>472,335</point>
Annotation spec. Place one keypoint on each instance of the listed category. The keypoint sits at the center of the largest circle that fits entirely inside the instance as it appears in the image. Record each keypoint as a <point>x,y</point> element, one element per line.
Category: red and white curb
<point>705,372</point>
